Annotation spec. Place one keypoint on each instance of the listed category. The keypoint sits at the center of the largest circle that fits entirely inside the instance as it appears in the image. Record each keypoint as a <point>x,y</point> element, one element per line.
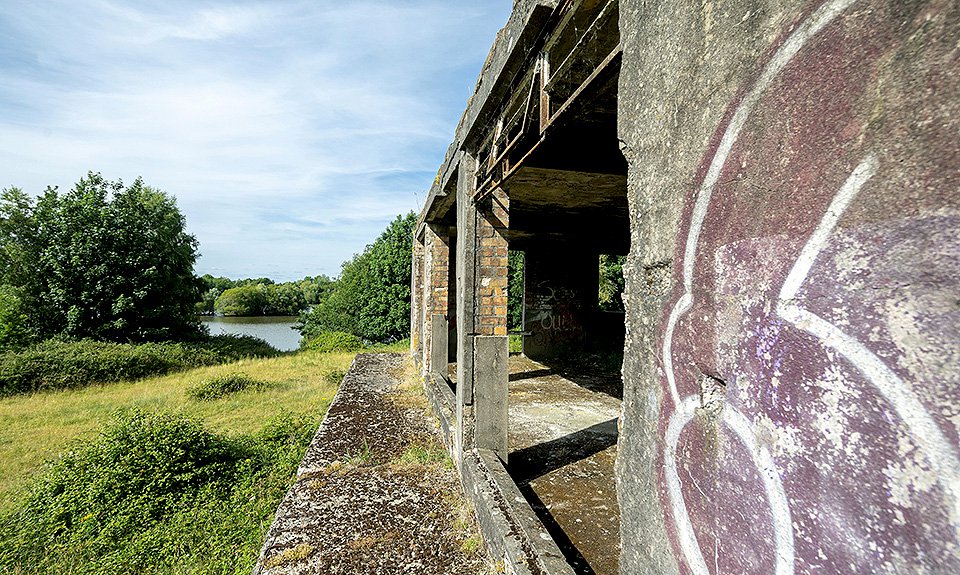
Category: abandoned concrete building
<point>784,181</point>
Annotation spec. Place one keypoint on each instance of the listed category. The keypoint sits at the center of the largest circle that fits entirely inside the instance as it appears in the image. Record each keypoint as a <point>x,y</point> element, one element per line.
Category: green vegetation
<point>430,453</point>
<point>333,341</point>
<point>15,329</point>
<point>131,500</point>
<point>515,296</point>
<point>611,282</point>
<point>55,364</point>
<point>97,301</point>
<point>516,343</point>
<point>168,485</point>
<point>100,261</point>
<point>371,299</point>
<point>261,296</point>
<point>223,385</point>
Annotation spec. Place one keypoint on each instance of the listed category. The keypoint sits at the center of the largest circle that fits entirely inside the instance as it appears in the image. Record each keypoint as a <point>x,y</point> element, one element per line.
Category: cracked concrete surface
<point>357,505</point>
<point>563,440</point>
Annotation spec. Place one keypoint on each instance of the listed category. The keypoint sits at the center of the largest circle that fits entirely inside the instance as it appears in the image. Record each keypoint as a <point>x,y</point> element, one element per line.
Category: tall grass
<point>137,477</point>
<point>36,427</point>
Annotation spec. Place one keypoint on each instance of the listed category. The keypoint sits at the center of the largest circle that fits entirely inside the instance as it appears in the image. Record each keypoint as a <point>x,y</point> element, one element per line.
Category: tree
<point>371,299</point>
<point>101,260</point>
<point>515,290</point>
<point>15,330</point>
<point>316,289</point>
<point>245,300</point>
<point>285,299</point>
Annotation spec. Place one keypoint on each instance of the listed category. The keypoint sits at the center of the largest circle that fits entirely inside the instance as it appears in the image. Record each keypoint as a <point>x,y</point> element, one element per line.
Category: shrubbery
<point>224,385</point>
<point>155,492</point>
<point>56,364</point>
<point>328,341</point>
<point>371,299</point>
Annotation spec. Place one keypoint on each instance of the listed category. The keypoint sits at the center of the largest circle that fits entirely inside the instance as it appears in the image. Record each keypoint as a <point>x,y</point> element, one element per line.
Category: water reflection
<point>276,330</point>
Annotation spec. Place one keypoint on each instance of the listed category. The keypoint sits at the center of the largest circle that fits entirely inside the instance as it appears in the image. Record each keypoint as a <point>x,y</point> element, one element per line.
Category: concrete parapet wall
<point>792,391</point>
<point>515,537</point>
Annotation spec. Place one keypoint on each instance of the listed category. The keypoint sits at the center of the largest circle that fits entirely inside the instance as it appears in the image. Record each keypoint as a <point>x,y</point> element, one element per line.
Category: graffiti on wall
<point>552,308</point>
<point>552,316</point>
<point>809,353</point>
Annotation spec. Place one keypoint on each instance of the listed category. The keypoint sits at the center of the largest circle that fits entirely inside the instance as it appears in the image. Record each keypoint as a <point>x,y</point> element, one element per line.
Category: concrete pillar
<point>560,300</point>
<point>438,344</point>
<point>435,290</point>
<point>466,246</point>
<point>416,302</point>
<point>491,397</point>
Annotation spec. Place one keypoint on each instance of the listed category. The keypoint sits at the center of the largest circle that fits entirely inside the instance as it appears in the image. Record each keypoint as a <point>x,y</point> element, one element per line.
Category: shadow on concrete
<point>531,374</point>
<point>529,463</point>
<point>594,372</point>
<point>570,552</point>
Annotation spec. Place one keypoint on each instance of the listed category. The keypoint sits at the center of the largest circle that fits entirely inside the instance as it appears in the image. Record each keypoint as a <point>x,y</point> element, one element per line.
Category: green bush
<point>328,341</point>
<point>155,493</point>
<point>57,364</point>
<point>223,385</point>
<point>371,298</point>
<point>230,347</point>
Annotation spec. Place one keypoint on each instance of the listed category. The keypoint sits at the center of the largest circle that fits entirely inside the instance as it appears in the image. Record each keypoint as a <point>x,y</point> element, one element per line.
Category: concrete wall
<point>560,300</point>
<point>792,389</point>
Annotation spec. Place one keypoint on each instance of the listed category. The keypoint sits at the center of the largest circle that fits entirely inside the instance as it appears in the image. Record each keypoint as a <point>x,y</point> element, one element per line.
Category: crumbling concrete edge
<point>442,400</point>
<point>306,467</point>
<point>513,534</point>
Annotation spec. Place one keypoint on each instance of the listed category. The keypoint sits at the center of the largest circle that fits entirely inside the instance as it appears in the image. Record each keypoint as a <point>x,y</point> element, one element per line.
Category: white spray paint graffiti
<point>939,451</point>
<point>774,489</point>
<point>940,454</point>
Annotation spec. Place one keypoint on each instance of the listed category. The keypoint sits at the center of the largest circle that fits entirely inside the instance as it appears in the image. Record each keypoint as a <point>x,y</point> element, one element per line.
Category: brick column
<point>492,226</point>
<point>492,349</point>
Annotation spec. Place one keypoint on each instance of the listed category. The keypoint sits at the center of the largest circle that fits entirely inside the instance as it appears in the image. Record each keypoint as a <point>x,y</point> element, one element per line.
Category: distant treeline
<point>371,298</point>
<point>261,296</point>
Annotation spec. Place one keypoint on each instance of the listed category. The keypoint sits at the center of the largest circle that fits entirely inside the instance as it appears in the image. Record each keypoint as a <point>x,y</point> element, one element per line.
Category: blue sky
<point>290,132</point>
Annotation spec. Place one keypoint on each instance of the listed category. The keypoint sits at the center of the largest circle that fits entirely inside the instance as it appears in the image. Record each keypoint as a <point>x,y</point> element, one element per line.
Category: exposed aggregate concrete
<point>355,507</point>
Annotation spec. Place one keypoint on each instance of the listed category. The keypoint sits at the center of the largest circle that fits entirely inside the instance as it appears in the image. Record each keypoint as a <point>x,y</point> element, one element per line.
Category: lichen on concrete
<point>375,492</point>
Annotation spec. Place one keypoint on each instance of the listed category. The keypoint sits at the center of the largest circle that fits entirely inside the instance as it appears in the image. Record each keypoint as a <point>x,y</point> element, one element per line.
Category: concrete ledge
<point>513,533</point>
<point>443,402</point>
<point>354,506</point>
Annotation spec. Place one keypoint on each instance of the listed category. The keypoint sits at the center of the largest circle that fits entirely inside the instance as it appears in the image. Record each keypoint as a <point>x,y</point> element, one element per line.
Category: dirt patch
<point>376,492</point>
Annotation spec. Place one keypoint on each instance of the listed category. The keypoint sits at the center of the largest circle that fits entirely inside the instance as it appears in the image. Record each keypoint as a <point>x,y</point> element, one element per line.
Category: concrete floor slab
<point>563,445</point>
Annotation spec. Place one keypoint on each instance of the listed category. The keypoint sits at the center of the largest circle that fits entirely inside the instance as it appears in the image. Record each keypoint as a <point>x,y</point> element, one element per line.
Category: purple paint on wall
<point>836,448</point>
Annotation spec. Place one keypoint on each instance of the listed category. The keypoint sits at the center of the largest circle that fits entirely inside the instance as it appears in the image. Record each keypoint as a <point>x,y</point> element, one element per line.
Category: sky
<point>290,132</point>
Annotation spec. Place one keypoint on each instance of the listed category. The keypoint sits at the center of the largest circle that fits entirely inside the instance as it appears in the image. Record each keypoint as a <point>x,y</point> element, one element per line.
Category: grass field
<point>174,474</point>
<point>35,428</point>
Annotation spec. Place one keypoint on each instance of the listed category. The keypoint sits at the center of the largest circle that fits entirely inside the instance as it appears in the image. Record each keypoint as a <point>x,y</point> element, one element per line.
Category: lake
<point>275,330</point>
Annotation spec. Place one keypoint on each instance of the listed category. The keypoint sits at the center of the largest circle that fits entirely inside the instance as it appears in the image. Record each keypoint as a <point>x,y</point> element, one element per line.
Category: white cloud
<point>290,132</point>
